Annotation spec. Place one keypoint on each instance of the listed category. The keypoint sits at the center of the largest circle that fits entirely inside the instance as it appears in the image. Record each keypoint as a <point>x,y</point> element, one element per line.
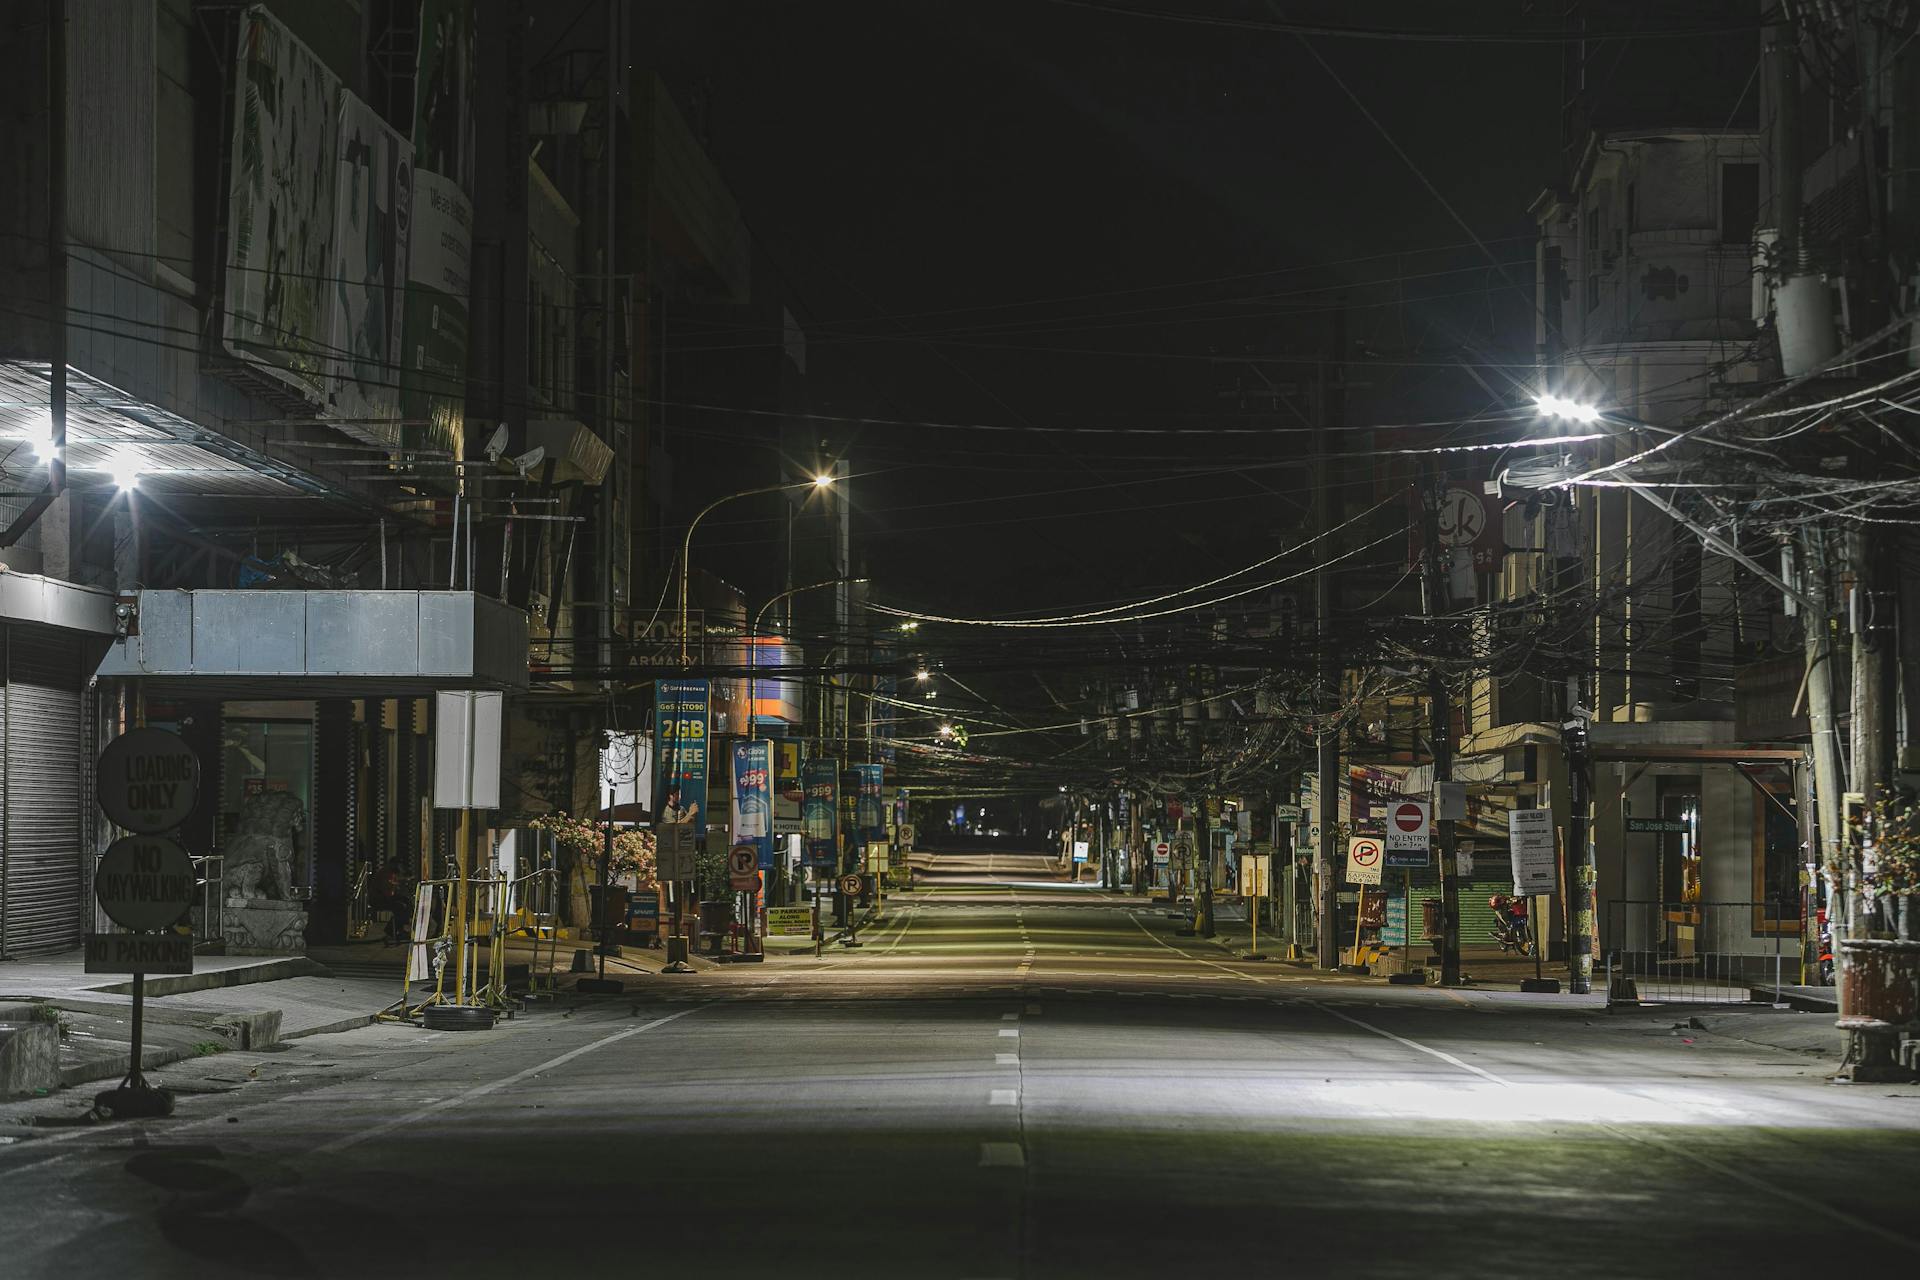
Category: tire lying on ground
<point>457,1017</point>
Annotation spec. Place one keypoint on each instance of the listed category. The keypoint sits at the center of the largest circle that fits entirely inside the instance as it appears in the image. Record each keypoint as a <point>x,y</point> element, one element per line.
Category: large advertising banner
<point>680,752</point>
<point>280,214</point>
<point>438,272</point>
<point>870,810</point>
<point>373,206</point>
<point>787,791</point>
<point>753,798</point>
<point>820,815</point>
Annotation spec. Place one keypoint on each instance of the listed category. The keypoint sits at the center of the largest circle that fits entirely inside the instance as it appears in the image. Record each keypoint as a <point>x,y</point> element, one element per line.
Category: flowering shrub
<point>1894,827</point>
<point>634,850</point>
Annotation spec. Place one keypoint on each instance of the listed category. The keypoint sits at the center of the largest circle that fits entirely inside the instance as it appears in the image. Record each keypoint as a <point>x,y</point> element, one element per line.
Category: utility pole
<point>1440,726</point>
<point>1326,795</point>
<point>1203,886</point>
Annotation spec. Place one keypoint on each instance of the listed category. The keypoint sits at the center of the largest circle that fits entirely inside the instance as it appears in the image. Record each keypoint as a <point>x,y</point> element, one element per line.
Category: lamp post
<point>753,669</point>
<point>686,545</point>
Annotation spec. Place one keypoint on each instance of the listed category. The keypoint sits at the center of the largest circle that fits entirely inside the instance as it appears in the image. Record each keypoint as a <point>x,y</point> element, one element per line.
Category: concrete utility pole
<point>1440,726</point>
<point>1326,795</point>
<point>1203,882</point>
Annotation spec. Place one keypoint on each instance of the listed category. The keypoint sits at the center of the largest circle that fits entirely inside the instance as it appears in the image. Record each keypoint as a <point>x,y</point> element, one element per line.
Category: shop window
<point>267,757</point>
<point>1680,888</point>
<point>1776,862</point>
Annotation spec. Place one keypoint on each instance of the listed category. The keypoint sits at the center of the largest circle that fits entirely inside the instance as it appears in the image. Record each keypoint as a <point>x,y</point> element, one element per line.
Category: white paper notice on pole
<point>1364,860</point>
<point>1530,835</point>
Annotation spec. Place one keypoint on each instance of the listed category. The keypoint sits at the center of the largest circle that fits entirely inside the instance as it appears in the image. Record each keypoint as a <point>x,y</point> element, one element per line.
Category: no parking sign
<point>1364,856</point>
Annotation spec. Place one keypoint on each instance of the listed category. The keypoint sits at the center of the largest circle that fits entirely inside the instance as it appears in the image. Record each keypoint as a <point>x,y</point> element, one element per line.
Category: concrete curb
<point>269,970</point>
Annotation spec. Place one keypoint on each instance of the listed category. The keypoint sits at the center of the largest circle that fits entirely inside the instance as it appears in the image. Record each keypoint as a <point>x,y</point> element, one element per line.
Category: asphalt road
<point>1009,1078</point>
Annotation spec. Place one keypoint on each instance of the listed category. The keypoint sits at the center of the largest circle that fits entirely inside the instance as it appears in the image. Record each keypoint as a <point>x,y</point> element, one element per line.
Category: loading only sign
<point>149,781</point>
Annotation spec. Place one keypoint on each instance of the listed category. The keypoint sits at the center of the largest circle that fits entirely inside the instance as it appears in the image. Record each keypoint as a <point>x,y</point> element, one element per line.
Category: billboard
<point>281,208</point>
<point>680,752</point>
<point>434,350</point>
<point>373,200</point>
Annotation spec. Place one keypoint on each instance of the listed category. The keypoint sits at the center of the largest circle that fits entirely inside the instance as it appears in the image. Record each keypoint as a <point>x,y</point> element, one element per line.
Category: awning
<point>316,644</point>
<point>49,602</point>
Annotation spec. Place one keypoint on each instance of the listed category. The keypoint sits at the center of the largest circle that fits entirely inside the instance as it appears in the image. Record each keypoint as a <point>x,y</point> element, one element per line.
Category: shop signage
<point>1364,856</point>
<point>144,882</point>
<point>1287,813</point>
<point>787,793</point>
<point>149,780</point>
<point>1530,836</point>
<point>1393,933</point>
<point>139,953</point>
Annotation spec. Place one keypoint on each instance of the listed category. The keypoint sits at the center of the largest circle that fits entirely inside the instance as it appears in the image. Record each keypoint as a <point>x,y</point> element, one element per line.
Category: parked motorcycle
<point>1511,927</point>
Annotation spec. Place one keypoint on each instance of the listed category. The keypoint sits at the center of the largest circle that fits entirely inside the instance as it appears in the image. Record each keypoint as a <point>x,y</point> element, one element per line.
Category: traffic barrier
<point>1667,952</point>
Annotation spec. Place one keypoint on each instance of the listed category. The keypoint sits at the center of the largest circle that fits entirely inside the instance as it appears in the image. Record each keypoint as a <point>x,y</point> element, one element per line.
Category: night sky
<point>1038,216</point>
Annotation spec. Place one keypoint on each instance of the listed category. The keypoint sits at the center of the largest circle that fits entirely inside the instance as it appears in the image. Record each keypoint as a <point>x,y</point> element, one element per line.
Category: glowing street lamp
<point>817,483</point>
<point>1553,406</point>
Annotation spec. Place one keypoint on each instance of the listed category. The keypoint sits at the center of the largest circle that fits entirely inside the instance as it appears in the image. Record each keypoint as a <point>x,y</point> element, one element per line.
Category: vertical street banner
<point>787,791</point>
<point>820,813</point>
<point>753,799</point>
<point>870,810</point>
<point>680,752</point>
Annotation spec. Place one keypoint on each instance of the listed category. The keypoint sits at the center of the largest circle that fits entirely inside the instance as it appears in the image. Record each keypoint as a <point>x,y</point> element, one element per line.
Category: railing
<point>1700,952</point>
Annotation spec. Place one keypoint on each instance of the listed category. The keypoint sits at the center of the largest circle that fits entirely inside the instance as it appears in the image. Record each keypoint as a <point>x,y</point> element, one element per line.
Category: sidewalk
<point>228,1002</point>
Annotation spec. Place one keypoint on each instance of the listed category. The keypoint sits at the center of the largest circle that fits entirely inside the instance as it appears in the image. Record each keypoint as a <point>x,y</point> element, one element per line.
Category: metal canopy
<point>298,644</point>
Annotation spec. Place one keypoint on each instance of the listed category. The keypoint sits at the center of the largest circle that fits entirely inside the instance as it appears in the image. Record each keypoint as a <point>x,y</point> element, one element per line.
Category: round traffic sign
<point>1366,852</point>
<point>849,885</point>
<point>743,859</point>
<point>144,882</point>
<point>1409,816</point>
<point>149,780</point>
<point>906,833</point>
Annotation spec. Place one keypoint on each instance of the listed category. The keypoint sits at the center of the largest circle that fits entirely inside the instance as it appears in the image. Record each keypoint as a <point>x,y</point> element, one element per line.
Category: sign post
<point>1255,871</point>
<point>149,783</point>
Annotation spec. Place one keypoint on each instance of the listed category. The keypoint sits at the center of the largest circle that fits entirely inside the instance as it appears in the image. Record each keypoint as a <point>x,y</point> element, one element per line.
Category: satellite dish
<point>496,443</point>
<point>530,459</point>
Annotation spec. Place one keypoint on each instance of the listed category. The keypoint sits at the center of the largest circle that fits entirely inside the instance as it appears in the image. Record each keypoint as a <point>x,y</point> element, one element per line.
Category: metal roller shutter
<point>44,867</point>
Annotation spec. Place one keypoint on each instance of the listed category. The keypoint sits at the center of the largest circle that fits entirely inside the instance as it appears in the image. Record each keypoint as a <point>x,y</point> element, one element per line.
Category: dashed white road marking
<point>1006,1059</point>
<point>1002,1155</point>
<point>1009,1033</point>
<point>1003,1098</point>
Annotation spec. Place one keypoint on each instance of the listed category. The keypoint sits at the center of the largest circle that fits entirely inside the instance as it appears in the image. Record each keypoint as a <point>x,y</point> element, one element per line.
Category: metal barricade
<point>1661,952</point>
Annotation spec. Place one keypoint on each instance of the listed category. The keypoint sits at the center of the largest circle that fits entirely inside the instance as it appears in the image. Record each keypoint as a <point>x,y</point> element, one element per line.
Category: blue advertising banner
<point>680,752</point>
<point>869,810</point>
<point>820,813</point>
<point>753,798</point>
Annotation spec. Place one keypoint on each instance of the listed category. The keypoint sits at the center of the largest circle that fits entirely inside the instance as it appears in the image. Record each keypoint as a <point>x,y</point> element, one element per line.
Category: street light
<point>1553,406</point>
<point>686,545</point>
